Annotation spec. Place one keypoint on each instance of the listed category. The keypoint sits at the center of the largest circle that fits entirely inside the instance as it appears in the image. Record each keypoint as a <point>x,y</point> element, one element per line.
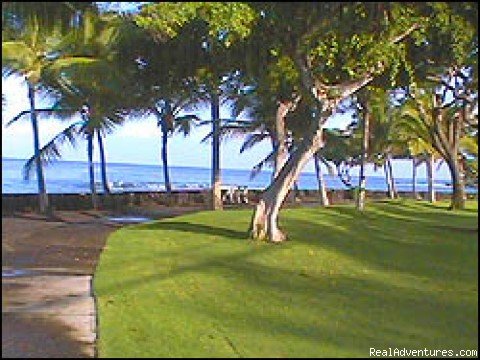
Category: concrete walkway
<point>56,310</point>
<point>48,308</point>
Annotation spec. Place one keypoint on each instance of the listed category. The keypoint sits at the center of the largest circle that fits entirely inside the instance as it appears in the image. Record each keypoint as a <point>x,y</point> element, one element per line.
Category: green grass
<point>401,274</point>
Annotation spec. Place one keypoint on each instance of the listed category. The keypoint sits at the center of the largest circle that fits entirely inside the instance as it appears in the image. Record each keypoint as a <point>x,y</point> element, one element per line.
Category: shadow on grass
<point>420,290</point>
<point>344,312</point>
<point>366,313</point>
<point>419,212</point>
<point>429,251</point>
<point>192,228</point>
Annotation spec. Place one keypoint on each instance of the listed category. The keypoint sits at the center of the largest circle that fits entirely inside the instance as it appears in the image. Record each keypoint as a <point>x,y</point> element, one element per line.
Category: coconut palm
<point>96,92</point>
<point>170,95</point>
<point>412,132</point>
<point>35,54</point>
<point>443,128</point>
<point>170,121</point>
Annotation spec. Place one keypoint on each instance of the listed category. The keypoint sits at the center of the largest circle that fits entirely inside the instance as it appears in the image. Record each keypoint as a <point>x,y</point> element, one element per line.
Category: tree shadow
<point>194,228</point>
<point>393,244</point>
<point>418,290</point>
<point>369,311</point>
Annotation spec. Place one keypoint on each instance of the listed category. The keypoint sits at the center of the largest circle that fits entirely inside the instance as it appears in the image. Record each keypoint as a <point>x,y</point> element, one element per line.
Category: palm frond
<point>267,161</point>
<point>51,151</point>
<point>17,55</point>
<point>330,167</point>
<point>469,145</point>
<point>183,124</point>
<point>45,112</point>
<point>252,139</point>
<point>17,117</point>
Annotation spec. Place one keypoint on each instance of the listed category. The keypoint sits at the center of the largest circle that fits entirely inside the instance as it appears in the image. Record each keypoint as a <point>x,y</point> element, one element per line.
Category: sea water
<point>70,177</point>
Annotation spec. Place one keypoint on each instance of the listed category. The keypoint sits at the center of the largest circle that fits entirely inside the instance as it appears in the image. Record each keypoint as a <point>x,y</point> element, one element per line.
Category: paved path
<point>48,309</point>
<point>48,315</point>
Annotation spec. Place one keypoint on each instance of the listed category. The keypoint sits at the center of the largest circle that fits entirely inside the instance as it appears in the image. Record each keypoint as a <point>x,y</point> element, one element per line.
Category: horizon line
<point>197,167</point>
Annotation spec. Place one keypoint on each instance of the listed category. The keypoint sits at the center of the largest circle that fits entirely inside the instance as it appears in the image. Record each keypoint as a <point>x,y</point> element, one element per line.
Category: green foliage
<point>194,286</point>
<point>226,21</point>
<point>282,77</point>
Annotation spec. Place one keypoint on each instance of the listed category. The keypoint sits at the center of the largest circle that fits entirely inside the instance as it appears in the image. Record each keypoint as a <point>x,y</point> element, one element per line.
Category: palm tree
<point>366,111</point>
<point>98,92</point>
<point>169,121</point>
<point>410,131</point>
<point>36,53</point>
<point>170,95</point>
<point>442,127</point>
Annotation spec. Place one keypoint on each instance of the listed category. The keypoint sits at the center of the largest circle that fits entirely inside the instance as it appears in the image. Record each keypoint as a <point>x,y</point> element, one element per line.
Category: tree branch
<point>347,89</point>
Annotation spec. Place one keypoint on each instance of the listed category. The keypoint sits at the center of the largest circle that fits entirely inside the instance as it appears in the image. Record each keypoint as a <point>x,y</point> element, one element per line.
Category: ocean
<point>70,177</point>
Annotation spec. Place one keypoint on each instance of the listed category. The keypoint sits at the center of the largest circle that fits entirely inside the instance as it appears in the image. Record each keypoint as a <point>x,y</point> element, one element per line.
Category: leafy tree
<point>446,68</point>
<point>338,49</point>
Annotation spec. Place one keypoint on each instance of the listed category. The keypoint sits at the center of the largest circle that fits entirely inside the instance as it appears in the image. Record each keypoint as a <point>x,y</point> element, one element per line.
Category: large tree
<point>336,48</point>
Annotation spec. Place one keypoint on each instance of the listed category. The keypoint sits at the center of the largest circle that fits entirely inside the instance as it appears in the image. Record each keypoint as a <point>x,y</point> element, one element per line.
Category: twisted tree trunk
<point>264,224</point>
<point>458,195</point>
<point>327,97</point>
<point>281,151</point>
<point>42,191</point>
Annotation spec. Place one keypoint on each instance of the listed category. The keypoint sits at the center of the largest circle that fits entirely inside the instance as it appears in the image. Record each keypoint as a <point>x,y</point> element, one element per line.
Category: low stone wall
<point>14,203</point>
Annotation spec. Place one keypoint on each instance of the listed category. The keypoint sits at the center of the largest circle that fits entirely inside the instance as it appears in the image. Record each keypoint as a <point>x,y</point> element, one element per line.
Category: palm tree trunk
<point>264,224</point>
<point>392,179</point>
<point>430,175</point>
<point>216,198</point>
<point>322,192</point>
<point>42,191</point>
<point>166,175</point>
<point>294,192</point>
<point>103,164</point>
<point>414,178</point>
<point>362,180</point>
<point>91,171</point>
<point>387,180</point>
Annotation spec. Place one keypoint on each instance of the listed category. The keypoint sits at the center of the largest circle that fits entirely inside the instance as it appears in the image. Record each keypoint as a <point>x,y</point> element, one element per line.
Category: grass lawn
<point>401,274</point>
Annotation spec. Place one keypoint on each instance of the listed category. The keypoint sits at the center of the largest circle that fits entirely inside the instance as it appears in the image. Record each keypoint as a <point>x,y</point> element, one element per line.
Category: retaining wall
<point>12,203</point>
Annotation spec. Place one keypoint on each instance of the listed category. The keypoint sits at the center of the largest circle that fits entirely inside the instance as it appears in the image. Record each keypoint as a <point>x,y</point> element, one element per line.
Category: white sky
<point>138,141</point>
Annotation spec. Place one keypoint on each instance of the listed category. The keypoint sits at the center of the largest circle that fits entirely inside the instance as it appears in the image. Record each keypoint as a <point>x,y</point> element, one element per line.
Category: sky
<point>138,141</point>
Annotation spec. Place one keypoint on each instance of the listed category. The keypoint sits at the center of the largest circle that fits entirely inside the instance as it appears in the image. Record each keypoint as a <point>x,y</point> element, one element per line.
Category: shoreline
<point>199,199</point>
